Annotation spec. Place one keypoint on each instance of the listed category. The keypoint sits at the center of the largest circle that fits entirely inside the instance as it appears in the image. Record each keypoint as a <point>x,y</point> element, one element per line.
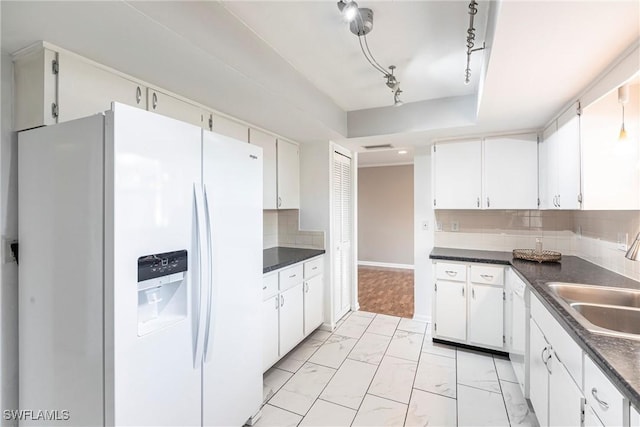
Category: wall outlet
<point>438,225</point>
<point>621,243</point>
<point>455,226</point>
<point>425,225</point>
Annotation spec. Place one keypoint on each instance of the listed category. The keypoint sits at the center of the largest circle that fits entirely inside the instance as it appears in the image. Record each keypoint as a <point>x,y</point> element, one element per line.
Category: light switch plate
<point>438,225</point>
<point>455,226</point>
<point>425,225</point>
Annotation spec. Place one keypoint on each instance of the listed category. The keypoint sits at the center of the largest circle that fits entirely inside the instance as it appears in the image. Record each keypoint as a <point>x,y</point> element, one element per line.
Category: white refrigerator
<point>140,273</point>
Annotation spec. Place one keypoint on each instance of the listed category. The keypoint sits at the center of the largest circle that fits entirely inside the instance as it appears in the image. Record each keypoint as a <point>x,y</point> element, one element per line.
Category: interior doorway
<point>385,237</point>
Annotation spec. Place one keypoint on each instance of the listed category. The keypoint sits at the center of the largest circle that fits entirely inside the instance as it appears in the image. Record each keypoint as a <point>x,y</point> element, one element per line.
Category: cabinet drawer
<point>453,272</point>
<point>269,286</point>
<point>564,347</point>
<point>603,397</point>
<point>487,275</point>
<point>313,267</point>
<point>290,277</point>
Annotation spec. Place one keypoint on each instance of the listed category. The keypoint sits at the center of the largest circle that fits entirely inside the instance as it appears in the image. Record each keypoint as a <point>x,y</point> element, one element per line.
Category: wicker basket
<point>532,255</point>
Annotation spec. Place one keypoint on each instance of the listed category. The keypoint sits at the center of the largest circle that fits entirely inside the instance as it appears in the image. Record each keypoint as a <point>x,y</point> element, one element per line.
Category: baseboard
<point>386,265</point>
<point>422,318</point>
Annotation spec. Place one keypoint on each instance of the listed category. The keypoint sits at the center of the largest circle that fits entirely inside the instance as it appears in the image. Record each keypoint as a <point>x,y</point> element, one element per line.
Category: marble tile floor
<point>381,370</point>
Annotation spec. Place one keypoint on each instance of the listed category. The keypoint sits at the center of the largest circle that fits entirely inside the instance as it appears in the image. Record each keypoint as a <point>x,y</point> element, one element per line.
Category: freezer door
<point>152,179</point>
<point>232,384</point>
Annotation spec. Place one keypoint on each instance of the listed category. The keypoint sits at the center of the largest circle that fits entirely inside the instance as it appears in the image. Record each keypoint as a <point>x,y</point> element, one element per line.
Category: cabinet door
<point>231,128</point>
<point>270,331</point>
<point>486,316</point>
<point>457,175</point>
<point>313,303</point>
<point>511,172</point>
<point>553,167</point>
<point>288,175</point>
<point>269,166</point>
<point>85,89</point>
<point>565,398</point>
<point>538,375</point>
<point>634,417</point>
<point>451,310</point>
<point>175,108</point>
<point>568,154</point>
<point>592,420</point>
<point>291,318</point>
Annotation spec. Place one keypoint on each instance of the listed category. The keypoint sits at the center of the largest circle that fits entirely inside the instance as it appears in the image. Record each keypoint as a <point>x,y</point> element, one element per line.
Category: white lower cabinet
<point>469,304</point>
<point>292,308</point>
<point>591,419</point>
<point>451,315</point>
<point>605,399</point>
<point>634,417</point>
<point>291,318</point>
<point>270,340</point>
<point>565,397</point>
<point>538,373</point>
<point>486,320</point>
<point>313,303</point>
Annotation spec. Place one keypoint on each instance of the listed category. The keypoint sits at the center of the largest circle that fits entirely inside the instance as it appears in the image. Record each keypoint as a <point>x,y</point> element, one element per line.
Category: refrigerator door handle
<point>201,256</point>
<point>212,294</point>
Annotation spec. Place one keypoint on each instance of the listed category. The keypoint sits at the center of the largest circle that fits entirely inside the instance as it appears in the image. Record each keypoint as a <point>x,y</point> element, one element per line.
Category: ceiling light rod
<point>471,37</point>
<point>361,23</point>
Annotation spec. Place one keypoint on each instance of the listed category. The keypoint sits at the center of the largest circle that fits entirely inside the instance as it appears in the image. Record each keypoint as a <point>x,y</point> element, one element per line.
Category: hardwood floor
<point>386,291</point>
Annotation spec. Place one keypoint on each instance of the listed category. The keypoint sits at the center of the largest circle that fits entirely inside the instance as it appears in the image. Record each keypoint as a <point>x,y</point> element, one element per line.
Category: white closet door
<point>342,226</point>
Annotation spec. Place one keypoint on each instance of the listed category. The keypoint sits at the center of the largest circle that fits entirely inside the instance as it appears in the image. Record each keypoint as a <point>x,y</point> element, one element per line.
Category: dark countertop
<point>619,358</point>
<point>280,256</point>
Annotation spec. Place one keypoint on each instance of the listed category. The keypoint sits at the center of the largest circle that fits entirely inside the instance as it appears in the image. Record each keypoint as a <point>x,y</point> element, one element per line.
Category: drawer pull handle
<point>292,276</point>
<point>463,291</point>
<point>594,393</point>
<point>487,276</point>
<point>264,287</point>
<point>451,273</point>
<point>315,268</point>
<point>281,301</point>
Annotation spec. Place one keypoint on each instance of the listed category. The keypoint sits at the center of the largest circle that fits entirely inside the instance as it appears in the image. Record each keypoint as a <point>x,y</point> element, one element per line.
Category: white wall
<point>9,230</point>
<point>423,239</point>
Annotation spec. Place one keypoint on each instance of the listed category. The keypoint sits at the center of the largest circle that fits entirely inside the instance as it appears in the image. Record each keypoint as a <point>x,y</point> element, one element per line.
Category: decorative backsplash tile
<point>281,228</point>
<point>592,235</point>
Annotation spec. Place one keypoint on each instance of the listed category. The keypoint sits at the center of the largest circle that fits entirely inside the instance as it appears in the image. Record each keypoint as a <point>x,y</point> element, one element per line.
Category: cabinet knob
<point>488,203</point>
<point>281,301</point>
<point>463,291</point>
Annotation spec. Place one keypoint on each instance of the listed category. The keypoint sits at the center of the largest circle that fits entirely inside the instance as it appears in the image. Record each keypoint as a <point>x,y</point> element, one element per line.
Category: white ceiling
<point>426,40</point>
<point>294,68</point>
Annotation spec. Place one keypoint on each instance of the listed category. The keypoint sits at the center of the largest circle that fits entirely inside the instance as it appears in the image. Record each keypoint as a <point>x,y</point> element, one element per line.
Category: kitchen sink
<point>620,319</point>
<point>601,309</point>
<point>596,294</point>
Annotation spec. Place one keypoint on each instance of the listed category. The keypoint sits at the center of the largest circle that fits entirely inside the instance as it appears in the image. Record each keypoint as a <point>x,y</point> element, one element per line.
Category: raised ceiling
<point>426,40</point>
<point>294,67</point>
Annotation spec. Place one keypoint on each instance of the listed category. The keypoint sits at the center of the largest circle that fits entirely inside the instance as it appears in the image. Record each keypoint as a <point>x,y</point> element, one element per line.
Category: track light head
<point>349,9</point>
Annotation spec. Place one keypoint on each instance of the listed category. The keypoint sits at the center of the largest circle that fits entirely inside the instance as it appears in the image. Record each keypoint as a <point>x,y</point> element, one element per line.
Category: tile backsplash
<point>281,228</point>
<point>592,235</point>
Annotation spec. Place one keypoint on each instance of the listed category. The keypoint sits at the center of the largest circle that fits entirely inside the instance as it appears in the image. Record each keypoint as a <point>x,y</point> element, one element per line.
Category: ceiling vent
<point>377,147</point>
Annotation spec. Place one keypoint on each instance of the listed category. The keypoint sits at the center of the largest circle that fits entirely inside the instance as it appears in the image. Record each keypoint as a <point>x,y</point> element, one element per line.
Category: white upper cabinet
<point>231,128</point>
<point>35,93</point>
<point>495,173</point>
<point>288,170</point>
<point>510,172</point>
<point>85,89</point>
<point>170,106</point>
<point>611,166</point>
<point>269,166</point>
<point>559,155</point>
<point>457,175</point>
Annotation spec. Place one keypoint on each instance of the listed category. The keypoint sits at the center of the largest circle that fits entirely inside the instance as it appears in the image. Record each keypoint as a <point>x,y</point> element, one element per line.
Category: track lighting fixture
<point>471,37</point>
<point>361,23</point>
